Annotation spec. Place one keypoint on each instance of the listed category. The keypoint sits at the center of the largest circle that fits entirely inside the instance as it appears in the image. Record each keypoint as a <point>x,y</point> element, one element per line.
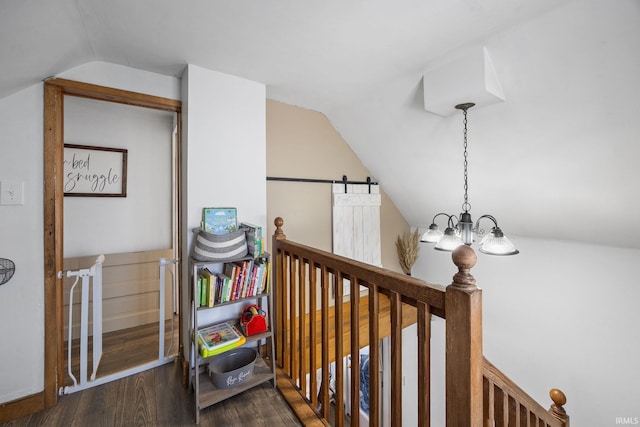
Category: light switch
<point>11,193</point>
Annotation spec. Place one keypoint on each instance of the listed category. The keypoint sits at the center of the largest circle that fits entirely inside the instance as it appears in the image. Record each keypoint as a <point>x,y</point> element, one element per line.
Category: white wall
<point>21,227</point>
<point>560,314</point>
<point>125,78</point>
<point>142,220</point>
<point>224,129</point>
<point>21,230</point>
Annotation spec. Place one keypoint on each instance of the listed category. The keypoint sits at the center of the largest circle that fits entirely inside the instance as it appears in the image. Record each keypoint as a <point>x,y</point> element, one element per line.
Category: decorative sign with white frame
<point>94,171</point>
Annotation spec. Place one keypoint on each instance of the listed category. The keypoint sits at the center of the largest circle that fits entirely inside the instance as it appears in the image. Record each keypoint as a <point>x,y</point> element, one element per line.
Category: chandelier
<point>461,229</point>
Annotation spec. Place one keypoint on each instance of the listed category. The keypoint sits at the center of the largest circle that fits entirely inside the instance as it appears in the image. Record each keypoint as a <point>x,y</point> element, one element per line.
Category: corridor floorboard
<point>156,398</point>
<point>124,349</point>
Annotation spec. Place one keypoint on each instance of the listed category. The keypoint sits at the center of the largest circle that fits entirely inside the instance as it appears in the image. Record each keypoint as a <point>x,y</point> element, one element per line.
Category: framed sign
<point>94,171</point>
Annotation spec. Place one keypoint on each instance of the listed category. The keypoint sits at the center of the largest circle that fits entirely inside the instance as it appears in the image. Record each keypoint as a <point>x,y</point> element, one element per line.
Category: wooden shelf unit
<point>206,393</point>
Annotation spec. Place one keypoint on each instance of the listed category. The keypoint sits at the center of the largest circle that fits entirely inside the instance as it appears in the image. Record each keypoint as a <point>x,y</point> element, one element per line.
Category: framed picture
<point>94,171</point>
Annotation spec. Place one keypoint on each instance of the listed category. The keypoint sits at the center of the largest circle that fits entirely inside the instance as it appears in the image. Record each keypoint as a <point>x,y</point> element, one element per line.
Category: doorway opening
<point>77,113</point>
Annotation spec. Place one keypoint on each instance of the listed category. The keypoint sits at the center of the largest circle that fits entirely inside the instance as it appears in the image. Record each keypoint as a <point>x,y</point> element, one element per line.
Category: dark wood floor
<point>154,397</point>
<point>125,349</point>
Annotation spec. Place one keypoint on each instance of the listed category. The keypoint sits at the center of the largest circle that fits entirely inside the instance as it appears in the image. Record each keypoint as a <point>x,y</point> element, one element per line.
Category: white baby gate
<point>95,272</point>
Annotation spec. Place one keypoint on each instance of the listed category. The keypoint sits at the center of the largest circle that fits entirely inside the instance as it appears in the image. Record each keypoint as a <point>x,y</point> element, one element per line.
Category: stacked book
<point>240,279</point>
<point>219,338</point>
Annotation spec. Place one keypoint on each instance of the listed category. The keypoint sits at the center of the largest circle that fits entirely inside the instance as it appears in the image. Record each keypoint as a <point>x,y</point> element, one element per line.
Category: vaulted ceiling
<point>556,159</point>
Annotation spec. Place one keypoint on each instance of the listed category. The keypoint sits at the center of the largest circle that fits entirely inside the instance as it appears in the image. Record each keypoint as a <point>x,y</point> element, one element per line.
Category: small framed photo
<point>94,171</point>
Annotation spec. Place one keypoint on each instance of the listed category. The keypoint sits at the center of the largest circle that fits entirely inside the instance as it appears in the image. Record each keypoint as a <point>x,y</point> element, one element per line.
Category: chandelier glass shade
<point>461,230</point>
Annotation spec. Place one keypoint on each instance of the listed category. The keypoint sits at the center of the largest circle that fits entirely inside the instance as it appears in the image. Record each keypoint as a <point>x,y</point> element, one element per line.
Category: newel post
<point>279,233</point>
<point>557,410</point>
<point>463,307</point>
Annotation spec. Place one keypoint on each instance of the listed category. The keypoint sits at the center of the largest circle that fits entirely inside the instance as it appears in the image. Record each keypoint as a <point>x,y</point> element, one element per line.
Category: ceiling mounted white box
<point>468,78</point>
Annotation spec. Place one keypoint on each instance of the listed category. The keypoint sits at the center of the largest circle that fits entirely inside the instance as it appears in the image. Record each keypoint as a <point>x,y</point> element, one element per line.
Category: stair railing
<point>506,404</point>
<point>312,310</point>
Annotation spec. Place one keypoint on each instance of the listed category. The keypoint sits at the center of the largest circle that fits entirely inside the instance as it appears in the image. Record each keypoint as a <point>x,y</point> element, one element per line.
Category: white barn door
<point>356,222</point>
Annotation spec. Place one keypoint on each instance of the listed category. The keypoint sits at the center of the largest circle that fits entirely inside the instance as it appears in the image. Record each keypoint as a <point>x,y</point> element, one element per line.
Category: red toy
<point>254,320</point>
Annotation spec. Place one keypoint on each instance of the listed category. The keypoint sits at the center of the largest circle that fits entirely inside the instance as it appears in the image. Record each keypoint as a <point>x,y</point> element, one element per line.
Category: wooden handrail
<point>411,289</point>
<point>506,404</point>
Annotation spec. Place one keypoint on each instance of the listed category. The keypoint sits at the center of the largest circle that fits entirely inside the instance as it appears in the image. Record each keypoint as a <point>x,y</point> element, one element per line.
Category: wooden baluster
<point>396,358</point>
<point>374,340</point>
<point>533,420</point>
<point>324,314</point>
<point>557,410</point>
<point>424,365</point>
<point>488,402</point>
<point>301,325</point>
<point>339,348</point>
<point>524,415</point>
<point>505,409</point>
<point>514,416</point>
<point>313,335</point>
<point>355,352</point>
<point>293,344</point>
<point>277,287</point>
<point>463,306</point>
<point>500,408</point>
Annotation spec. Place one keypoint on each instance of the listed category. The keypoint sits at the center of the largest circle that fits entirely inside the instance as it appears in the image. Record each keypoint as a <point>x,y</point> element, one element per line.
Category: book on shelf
<point>222,283</point>
<point>251,287</point>
<point>219,335</point>
<point>231,271</point>
<point>208,353</point>
<point>266,277</point>
<point>237,279</point>
<point>205,351</point>
<point>198,291</point>
<point>219,220</point>
<point>216,288</point>
<point>209,282</point>
<point>246,280</point>
<point>254,286</point>
<point>227,288</point>
<point>202,294</point>
<point>254,239</point>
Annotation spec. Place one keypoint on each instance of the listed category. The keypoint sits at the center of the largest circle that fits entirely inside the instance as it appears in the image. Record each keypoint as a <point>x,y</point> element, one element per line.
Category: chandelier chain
<point>466,206</point>
<point>461,229</point>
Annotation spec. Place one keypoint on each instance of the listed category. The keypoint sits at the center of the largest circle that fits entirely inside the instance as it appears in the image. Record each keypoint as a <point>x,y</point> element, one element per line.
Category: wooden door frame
<point>54,92</point>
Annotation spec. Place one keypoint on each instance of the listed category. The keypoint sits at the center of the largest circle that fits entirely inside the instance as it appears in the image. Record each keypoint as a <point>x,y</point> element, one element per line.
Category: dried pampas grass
<point>407,247</point>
